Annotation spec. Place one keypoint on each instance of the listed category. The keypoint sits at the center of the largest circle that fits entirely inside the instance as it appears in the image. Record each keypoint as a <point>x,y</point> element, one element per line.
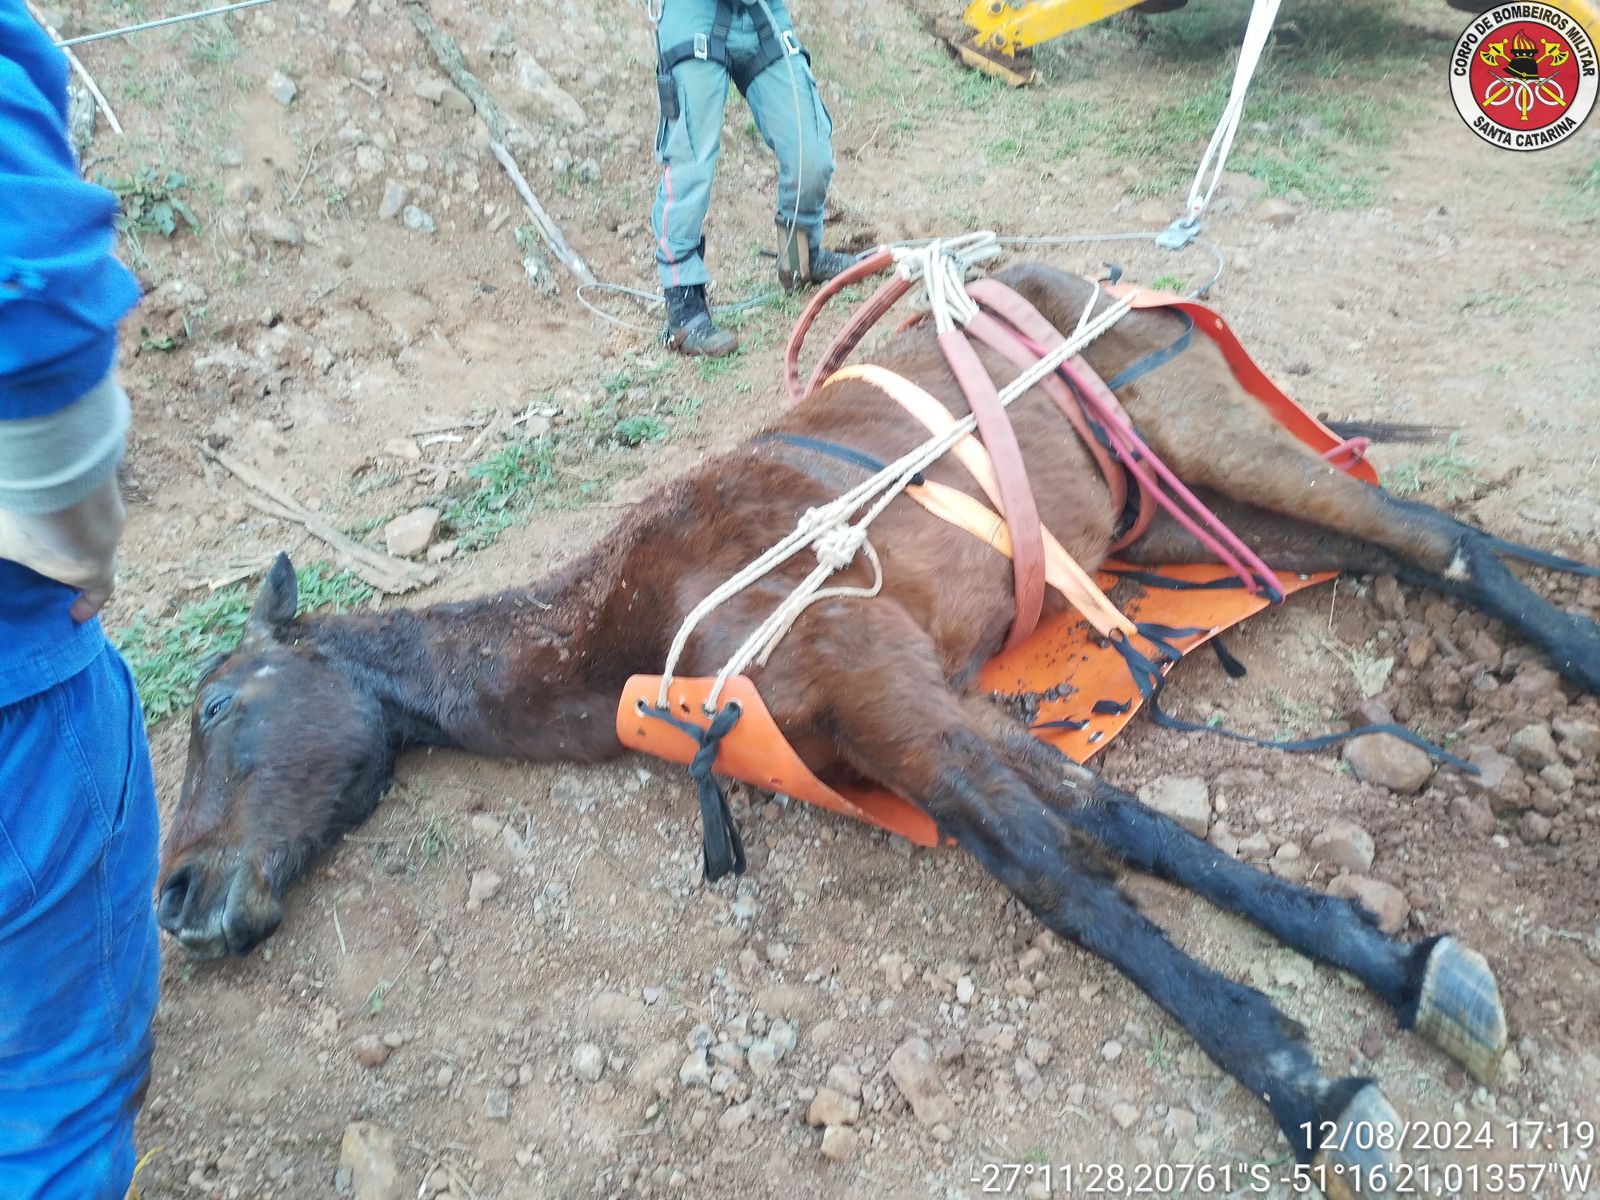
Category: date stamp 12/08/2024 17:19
<point>1538,1166</point>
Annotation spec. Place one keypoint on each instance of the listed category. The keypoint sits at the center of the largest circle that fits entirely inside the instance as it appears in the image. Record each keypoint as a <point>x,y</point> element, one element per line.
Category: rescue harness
<point>775,46</point>
<point>1088,669</point>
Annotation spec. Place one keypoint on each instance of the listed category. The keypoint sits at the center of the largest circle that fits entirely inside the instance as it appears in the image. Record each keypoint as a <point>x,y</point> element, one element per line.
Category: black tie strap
<point>723,849</point>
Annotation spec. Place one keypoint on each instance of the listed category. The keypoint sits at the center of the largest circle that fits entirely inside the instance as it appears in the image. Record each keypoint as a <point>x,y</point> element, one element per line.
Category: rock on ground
<point>367,1152</point>
<point>1184,798</point>
<point>409,535</point>
<point>1387,902</point>
<point>370,1051</point>
<point>1583,737</point>
<point>838,1143</point>
<point>485,885</point>
<point>1345,845</point>
<point>1385,760</point>
<point>914,1073</point>
<point>831,1107</point>
<point>588,1062</point>
<point>1534,747</point>
<point>396,196</point>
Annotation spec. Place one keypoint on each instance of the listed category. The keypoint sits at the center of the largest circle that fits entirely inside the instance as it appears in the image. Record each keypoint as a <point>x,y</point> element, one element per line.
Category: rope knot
<point>838,548</point>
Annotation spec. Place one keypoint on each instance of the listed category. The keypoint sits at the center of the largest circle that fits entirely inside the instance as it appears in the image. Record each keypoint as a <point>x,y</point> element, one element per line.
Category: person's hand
<point>77,546</point>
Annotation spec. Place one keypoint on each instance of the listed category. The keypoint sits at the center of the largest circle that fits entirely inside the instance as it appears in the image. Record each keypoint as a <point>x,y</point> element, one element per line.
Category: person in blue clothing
<point>78,826</point>
<point>702,45</point>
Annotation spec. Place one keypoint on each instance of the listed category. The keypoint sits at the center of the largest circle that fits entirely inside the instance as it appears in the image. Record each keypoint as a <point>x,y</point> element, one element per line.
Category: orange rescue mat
<point>1081,684</point>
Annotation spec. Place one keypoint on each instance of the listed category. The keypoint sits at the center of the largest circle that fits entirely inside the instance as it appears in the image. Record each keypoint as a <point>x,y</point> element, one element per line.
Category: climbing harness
<point>776,44</point>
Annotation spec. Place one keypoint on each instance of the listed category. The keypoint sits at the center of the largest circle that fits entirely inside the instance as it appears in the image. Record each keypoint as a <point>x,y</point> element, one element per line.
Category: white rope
<point>1262,16</point>
<point>828,529</point>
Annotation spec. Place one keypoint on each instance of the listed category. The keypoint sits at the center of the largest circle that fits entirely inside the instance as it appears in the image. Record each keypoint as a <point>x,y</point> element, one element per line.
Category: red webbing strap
<point>1004,341</point>
<point>1044,336</point>
<point>855,330</point>
<point>1020,510</point>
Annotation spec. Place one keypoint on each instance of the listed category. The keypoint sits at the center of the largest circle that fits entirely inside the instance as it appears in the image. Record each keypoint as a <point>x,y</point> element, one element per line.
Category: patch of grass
<point>509,481</point>
<point>1522,301</point>
<point>1160,1057</point>
<point>1447,468</point>
<point>637,430</point>
<point>166,657</point>
<point>1170,283</point>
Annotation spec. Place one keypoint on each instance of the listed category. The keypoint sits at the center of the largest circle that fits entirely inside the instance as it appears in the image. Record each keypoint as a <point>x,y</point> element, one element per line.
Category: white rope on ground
<point>828,529</point>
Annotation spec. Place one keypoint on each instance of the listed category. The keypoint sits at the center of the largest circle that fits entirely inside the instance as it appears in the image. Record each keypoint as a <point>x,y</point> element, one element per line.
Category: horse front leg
<point>1437,987</point>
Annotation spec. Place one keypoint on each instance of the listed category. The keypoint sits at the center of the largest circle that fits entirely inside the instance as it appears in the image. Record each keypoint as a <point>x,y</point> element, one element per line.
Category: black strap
<point>723,848</point>
<point>1230,664</point>
<point>775,45</point>
<point>1156,358</point>
<point>1168,582</point>
<point>856,458</point>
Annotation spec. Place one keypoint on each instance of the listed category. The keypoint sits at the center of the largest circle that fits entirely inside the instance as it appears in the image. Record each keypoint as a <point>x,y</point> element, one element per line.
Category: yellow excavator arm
<point>1004,32</point>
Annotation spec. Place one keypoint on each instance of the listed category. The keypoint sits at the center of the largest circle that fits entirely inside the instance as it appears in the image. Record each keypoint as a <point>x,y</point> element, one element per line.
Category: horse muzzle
<point>214,910</point>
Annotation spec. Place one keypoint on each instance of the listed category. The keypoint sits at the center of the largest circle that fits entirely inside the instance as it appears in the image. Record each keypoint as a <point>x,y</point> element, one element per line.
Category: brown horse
<point>296,732</point>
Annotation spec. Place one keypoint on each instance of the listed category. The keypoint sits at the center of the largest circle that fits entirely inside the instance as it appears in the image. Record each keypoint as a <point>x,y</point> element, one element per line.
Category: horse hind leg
<point>925,746</point>
<point>1242,454</point>
<point>1438,987</point>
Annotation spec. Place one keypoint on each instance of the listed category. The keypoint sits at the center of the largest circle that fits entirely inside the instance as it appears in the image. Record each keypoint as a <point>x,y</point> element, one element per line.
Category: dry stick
<point>449,56</point>
<point>81,71</point>
<point>384,572</point>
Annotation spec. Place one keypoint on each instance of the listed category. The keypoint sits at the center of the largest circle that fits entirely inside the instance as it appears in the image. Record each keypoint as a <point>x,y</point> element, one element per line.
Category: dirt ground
<point>1410,273</point>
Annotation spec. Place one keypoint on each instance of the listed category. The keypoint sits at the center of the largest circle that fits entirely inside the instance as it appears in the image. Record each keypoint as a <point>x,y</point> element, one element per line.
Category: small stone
<point>485,885</point>
<point>1345,845</point>
<point>370,1051</point>
<point>1039,1051</point>
<point>762,1058</point>
<point>1534,747</point>
<point>409,535</point>
<point>282,88</point>
<point>830,1107</point>
<point>1498,778</point>
<point>838,1143</point>
<point>396,196</point>
<point>1558,777</point>
<point>444,1076</point>
<point>341,8</point>
<point>1474,812</point>
<point>1385,760</point>
<point>1124,1114</point>
<point>367,1151</point>
<point>732,1118</point>
<point>695,1071</point>
<point>1255,847</point>
<point>497,1104</point>
<point>394,1039</point>
<point>1111,1051</point>
<point>280,230</point>
<point>440,551</point>
<point>1386,902</point>
<point>965,990</point>
<point>588,1062</point>
<point>486,825</point>
<point>845,1079</point>
<point>1581,736</point>
<point>1373,1043</point>
<point>1181,1123</point>
<point>415,218</point>
<point>1184,798</point>
<point>416,162</point>
<point>912,1068</point>
<point>1277,212</point>
<point>1534,827</point>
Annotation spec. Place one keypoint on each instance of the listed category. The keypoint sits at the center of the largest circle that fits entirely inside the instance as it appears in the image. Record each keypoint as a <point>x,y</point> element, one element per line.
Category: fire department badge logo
<point>1524,76</point>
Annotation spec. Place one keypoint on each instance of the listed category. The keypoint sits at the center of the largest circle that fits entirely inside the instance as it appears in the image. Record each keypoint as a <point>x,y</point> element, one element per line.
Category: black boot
<point>690,328</point>
<point>800,263</point>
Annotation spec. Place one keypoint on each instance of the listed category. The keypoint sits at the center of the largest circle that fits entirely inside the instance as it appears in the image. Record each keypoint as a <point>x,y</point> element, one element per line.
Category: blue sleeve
<point>61,291</point>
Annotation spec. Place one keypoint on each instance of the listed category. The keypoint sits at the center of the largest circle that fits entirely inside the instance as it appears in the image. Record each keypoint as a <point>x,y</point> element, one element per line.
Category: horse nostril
<point>174,899</point>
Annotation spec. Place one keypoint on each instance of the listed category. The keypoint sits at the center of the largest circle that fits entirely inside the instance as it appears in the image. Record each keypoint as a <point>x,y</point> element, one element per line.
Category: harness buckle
<point>791,44</point>
<point>702,46</point>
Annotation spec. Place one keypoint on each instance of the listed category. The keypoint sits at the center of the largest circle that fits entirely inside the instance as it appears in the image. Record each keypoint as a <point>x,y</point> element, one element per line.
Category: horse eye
<point>214,708</point>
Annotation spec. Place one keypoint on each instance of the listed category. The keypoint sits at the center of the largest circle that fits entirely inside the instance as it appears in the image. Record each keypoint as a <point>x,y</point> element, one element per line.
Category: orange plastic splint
<point>1063,664</point>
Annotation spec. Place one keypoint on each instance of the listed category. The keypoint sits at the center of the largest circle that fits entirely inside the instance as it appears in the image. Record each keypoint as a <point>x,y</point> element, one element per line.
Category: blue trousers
<point>79,959</point>
<point>788,111</point>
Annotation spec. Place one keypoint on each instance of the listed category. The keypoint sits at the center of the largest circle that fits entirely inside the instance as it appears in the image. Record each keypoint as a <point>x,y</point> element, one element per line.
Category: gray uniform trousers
<point>788,111</point>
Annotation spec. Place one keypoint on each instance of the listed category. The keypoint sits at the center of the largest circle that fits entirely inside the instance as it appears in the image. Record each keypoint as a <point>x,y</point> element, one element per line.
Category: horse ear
<point>280,592</point>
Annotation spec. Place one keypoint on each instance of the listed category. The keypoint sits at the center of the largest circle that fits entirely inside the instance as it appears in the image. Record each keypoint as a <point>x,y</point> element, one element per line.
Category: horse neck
<point>521,674</point>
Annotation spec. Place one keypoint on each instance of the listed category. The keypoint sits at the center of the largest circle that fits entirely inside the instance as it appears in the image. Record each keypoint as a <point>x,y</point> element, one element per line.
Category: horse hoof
<point>1353,1165</point>
<point>1460,1010</point>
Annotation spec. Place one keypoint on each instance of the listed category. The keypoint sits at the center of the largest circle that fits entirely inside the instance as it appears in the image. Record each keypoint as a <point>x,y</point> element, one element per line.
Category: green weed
<point>1170,283</point>
<point>509,481</point>
<point>167,658</point>
<point>151,204</point>
<point>637,430</point>
<point>1446,468</point>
